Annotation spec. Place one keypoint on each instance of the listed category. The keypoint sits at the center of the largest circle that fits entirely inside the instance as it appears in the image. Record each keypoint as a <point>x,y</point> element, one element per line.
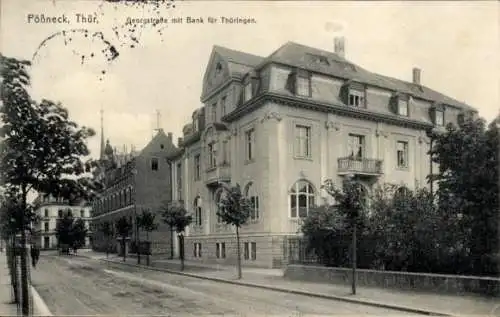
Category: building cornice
<point>339,109</point>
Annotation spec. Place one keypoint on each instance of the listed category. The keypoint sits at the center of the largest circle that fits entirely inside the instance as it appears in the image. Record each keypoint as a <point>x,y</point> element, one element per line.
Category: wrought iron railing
<point>360,165</point>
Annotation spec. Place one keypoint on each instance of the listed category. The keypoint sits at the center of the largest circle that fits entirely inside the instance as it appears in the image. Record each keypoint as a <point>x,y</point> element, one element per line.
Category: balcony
<point>220,173</point>
<point>360,166</point>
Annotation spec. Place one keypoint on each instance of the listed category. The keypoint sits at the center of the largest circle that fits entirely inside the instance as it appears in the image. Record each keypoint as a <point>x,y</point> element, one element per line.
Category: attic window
<point>161,146</point>
<point>356,98</point>
<point>317,59</point>
<point>299,83</point>
<point>437,115</point>
<point>218,68</point>
<point>248,92</point>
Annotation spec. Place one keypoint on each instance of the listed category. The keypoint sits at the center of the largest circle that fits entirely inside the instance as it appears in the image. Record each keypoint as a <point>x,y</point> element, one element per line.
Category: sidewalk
<point>466,305</point>
<point>6,308</point>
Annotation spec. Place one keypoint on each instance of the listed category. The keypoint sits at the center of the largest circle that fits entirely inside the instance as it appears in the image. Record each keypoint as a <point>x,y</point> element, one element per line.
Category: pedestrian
<point>35,253</point>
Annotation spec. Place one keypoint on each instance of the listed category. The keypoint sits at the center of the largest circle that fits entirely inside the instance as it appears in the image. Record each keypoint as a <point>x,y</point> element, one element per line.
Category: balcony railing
<point>220,173</point>
<point>359,165</point>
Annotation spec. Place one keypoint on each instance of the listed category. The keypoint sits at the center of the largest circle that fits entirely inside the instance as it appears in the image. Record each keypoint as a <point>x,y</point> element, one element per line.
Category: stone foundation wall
<point>439,283</point>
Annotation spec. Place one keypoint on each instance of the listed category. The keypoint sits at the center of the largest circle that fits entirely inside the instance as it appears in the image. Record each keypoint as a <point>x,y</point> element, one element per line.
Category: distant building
<point>49,210</point>
<point>280,126</point>
<point>134,181</point>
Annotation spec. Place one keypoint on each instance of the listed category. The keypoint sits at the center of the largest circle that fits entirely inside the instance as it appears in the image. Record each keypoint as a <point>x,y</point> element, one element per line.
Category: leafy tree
<point>40,147</point>
<point>177,218</point>
<point>168,211</point>
<point>64,232</point>
<point>106,230</point>
<point>467,181</point>
<point>123,229</point>
<point>147,221</point>
<point>79,234</point>
<point>350,201</point>
<point>234,209</point>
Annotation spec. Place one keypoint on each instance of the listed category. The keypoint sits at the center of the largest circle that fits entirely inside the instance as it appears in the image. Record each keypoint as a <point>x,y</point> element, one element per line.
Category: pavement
<point>6,307</point>
<point>404,301</point>
<point>77,285</point>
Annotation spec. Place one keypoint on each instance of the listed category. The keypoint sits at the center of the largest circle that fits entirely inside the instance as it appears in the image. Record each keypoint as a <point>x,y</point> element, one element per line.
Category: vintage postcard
<point>249,157</point>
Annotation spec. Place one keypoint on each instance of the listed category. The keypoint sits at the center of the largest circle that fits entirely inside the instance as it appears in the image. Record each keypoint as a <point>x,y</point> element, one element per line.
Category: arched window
<point>251,194</point>
<point>198,221</point>
<point>302,199</point>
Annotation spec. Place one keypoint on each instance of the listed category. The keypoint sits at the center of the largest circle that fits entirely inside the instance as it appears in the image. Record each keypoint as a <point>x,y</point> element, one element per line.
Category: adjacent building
<point>280,126</point>
<point>133,182</point>
<point>49,210</point>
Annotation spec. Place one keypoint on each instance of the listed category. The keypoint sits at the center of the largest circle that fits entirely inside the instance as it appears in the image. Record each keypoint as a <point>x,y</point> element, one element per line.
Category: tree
<point>79,233</point>
<point>234,209</point>
<point>106,230</point>
<point>40,148</point>
<point>467,181</point>
<point>123,229</point>
<point>350,202</point>
<point>168,211</point>
<point>177,218</point>
<point>146,221</point>
<point>64,232</point>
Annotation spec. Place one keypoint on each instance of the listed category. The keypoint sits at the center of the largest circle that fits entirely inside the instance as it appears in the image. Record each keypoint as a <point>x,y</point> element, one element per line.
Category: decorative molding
<point>383,133</point>
<point>234,132</point>
<point>423,139</point>
<point>332,125</point>
<point>271,115</point>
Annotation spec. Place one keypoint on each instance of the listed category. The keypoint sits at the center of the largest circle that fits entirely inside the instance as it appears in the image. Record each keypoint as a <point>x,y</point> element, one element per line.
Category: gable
<point>160,145</point>
<point>216,74</point>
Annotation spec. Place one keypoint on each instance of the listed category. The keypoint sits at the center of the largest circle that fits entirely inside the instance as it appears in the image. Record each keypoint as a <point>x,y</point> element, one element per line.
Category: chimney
<point>170,134</point>
<point>179,142</point>
<point>416,75</point>
<point>339,46</point>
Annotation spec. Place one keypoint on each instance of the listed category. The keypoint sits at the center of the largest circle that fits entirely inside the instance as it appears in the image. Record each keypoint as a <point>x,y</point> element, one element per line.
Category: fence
<point>296,252</point>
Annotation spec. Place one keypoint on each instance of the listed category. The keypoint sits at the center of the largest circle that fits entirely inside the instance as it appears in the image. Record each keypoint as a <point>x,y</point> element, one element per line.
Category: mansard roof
<point>328,63</point>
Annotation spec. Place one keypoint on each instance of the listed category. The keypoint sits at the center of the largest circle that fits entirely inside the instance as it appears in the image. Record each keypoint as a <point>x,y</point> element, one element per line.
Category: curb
<point>289,291</point>
<point>39,306</point>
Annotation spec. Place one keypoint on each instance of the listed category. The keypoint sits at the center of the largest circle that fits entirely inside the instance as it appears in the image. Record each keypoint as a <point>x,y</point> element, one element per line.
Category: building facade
<point>134,182</point>
<point>49,210</point>
<point>280,126</point>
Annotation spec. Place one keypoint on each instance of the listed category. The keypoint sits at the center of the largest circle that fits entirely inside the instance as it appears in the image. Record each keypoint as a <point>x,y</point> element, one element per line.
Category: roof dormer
<point>437,114</point>
<point>353,94</point>
<point>399,104</point>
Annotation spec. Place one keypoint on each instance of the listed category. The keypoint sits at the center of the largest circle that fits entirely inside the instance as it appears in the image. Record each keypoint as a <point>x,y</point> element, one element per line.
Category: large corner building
<point>280,126</point>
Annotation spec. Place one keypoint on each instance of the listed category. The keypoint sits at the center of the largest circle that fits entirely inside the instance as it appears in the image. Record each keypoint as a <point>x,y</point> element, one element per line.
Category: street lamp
<point>181,248</point>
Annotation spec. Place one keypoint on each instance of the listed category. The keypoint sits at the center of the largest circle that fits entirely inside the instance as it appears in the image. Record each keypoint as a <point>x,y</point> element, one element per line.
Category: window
<point>197,208</point>
<point>356,98</point>
<point>303,86</point>
<point>223,106</point>
<point>246,251</point>
<point>248,92</point>
<point>220,250</point>
<point>59,213</point>
<point>214,112</point>
<point>82,213</point>
<point>212,155</point>
<point>197,250</point>
<point>402,154</point>
<point>302,198</point>
<point>403,107</point>
<point>254,201</point>
<point>46,212</point>
<point>402,192</point>
<point>225,152</point>
<point>217,197</point>
<point>197,169</point>
<point>154,164</point>
<point>302,141</point>
<point>356,146</point>
<point>46,226</point>
<point>249,144</point>
<point>253,253</point>
<point>439,119</point>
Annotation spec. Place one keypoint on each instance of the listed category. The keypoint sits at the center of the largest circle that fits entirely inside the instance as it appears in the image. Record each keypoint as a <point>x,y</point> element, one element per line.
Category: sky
<point>455,44</point>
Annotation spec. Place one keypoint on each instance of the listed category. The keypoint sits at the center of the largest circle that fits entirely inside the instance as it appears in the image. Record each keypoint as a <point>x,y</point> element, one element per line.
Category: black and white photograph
<point>249,158</point>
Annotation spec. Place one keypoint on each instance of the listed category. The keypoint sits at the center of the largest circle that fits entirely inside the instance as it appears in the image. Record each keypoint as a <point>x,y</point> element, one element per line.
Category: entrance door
<point>46,242</point>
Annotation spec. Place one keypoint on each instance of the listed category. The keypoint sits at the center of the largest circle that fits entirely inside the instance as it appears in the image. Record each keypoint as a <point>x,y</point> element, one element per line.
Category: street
<point>81,286</point>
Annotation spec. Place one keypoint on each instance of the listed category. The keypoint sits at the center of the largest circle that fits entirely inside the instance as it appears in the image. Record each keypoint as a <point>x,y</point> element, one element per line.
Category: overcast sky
<point>456,44</point>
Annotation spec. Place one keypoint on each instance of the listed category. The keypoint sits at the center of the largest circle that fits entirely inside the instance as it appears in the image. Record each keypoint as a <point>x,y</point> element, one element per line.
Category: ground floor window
<point>220,251</point>
<point>197,250</point>
<point>250,251</point>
